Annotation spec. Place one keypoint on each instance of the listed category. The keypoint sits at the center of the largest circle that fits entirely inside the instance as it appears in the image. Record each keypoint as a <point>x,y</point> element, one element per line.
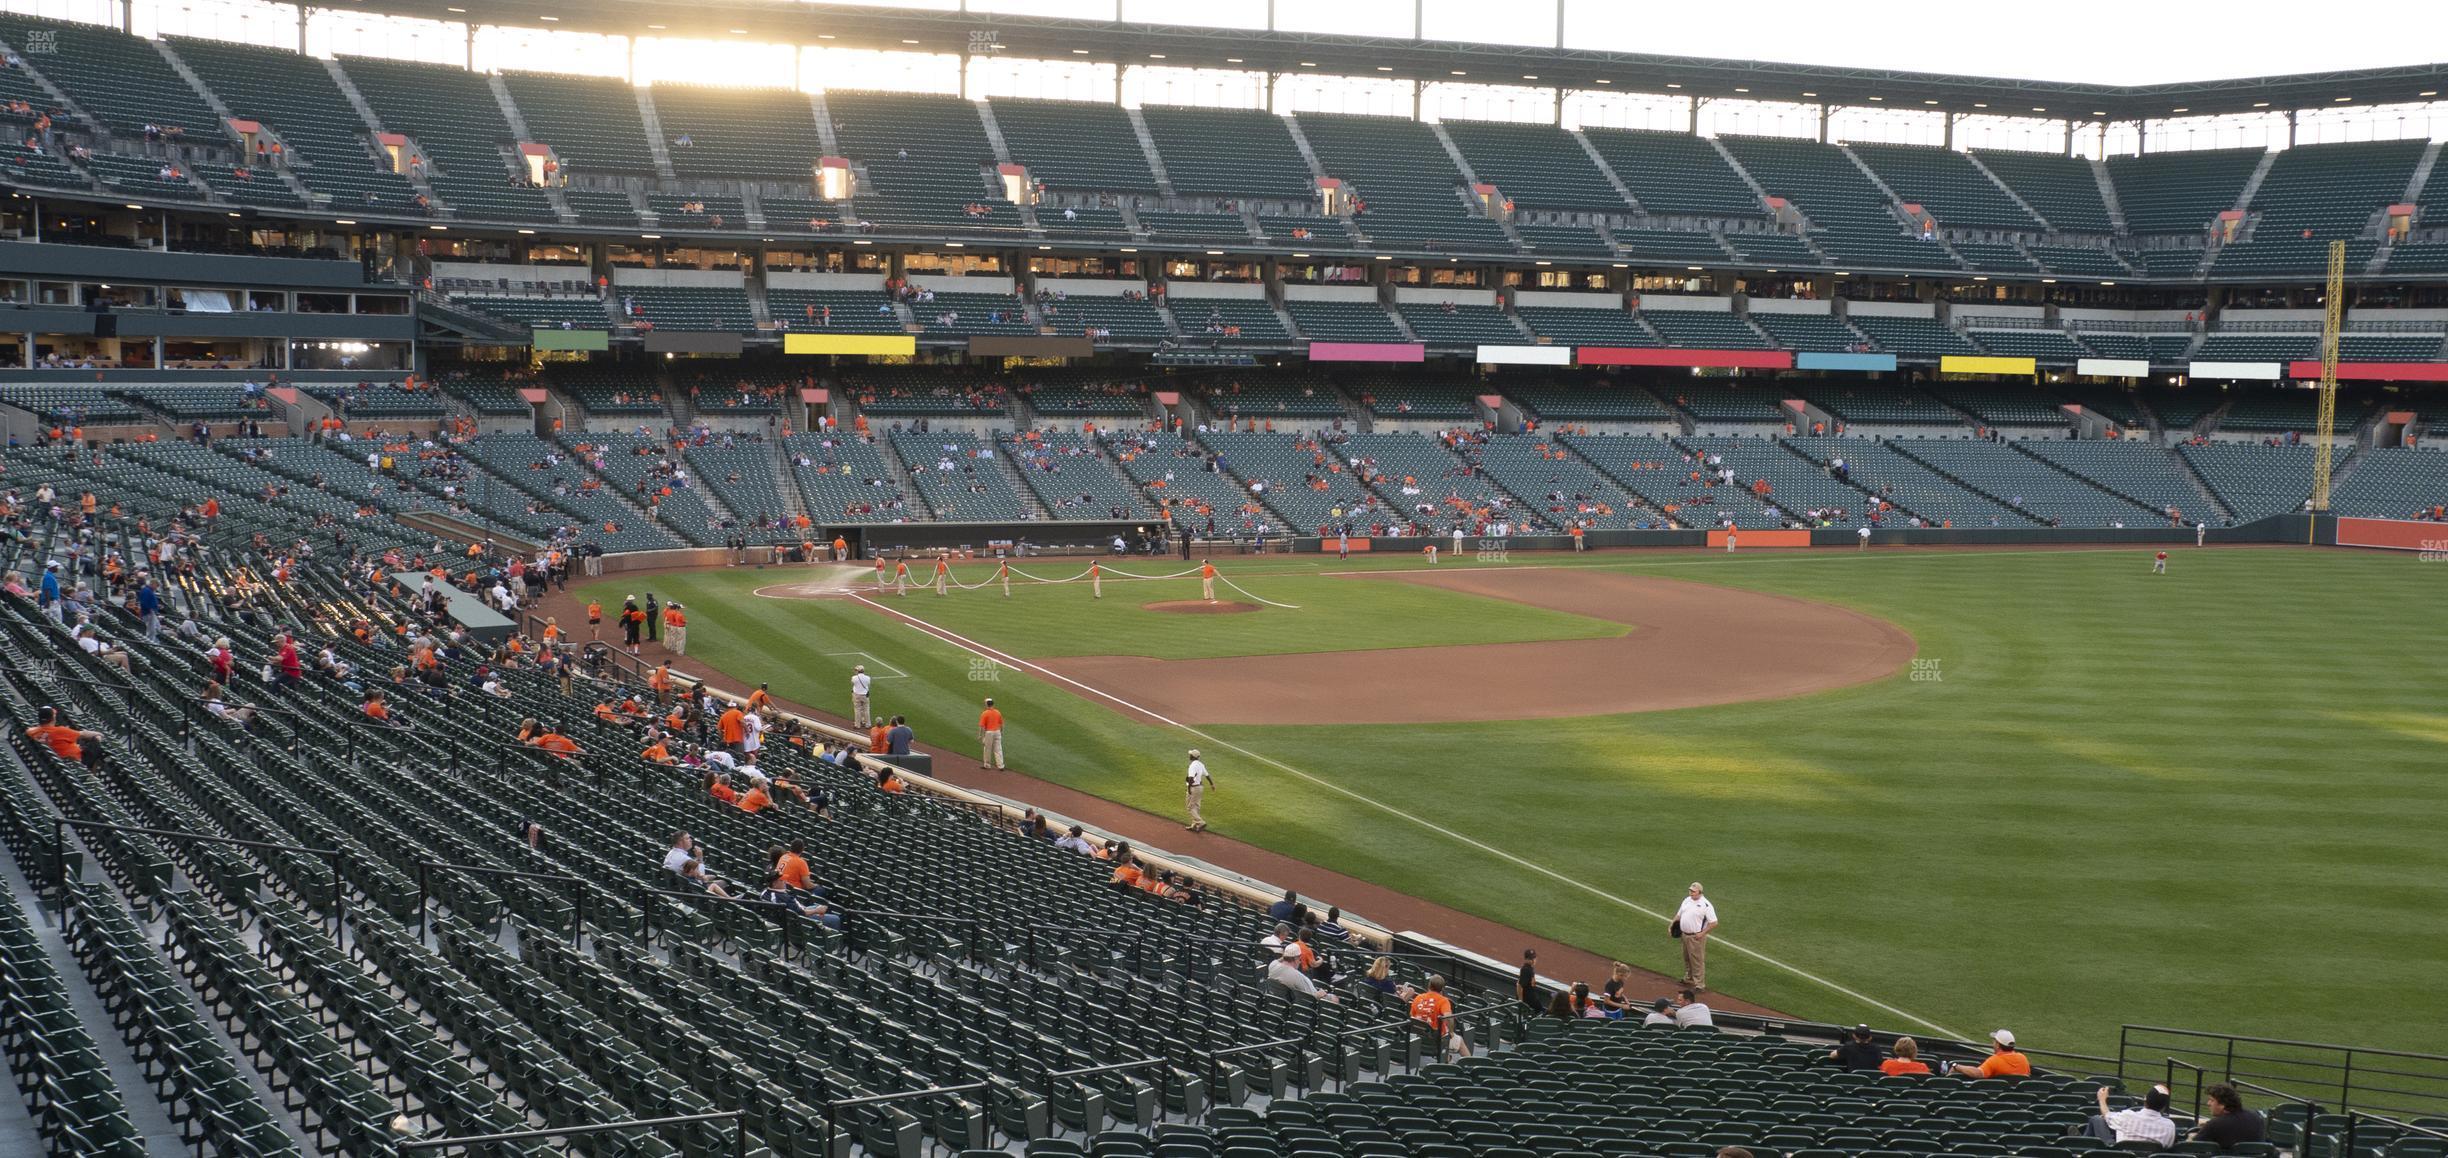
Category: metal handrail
<point>62,825</point>
<point>833,1107</point>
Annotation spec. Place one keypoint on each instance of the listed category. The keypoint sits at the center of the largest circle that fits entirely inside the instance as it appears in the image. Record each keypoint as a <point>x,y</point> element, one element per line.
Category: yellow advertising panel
<point>880,345</point>
<point>1965,364</point>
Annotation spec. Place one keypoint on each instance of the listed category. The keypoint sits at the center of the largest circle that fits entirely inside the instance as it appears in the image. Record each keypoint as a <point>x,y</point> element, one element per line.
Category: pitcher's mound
<point>1200,607</point>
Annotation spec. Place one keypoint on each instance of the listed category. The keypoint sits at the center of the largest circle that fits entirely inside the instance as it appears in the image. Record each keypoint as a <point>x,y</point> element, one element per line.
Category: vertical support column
<point>1948,139</point>
<point>1823,123</point>
<point>2292,124</point>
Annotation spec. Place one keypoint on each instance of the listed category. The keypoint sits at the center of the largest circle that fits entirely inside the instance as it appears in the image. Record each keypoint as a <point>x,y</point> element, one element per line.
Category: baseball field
<point>1937,791</point>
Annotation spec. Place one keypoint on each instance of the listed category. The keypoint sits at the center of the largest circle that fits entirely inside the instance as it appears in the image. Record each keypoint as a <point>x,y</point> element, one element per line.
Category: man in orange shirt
<point>841,549</point>
<point>1096,580</point>
<point>675,628</point>
<point>793,866</point>
<point>761,698</point>
<point>757,799</point>
<point>990,736</point>
<point>594,620</point>
<point>657,751</point>
<point>734,726</point>
<point>943,575</point>
<point>65,742</point>
<point>660,682</point>
<point>1207,580</point>
<point>901,577</point>
<point>877,742</point>
<point>376,709</point>
<point>1434,1010</point>
<point>2004,1059</point>
<point>553,741</point>
<point>720,789</point>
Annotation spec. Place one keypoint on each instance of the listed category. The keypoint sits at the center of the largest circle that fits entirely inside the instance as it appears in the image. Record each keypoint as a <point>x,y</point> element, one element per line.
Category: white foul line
<point>897,673</point>
<point>985,652</point>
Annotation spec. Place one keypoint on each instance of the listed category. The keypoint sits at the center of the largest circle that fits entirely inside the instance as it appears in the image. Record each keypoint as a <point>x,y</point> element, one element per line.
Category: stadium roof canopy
<point>1428,61</point>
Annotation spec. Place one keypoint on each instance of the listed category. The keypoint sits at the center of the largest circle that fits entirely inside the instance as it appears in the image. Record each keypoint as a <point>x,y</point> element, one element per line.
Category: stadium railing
<point>2379,1082</point>
<point>481,1142</point>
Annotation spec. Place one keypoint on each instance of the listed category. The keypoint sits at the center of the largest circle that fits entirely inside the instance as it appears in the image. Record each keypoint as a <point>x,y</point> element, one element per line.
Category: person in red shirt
<point>65,742</point>
<point>2159,564</point>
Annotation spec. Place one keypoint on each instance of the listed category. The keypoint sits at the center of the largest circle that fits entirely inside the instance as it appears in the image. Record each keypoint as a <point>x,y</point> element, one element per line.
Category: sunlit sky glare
<point>2087,41</point>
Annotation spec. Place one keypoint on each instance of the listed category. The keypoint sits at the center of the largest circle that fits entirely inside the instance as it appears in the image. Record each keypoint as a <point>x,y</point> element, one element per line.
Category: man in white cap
<point>1285,970</point>
<point>1194,790</point>
<point>859,683</point>
<point>1693,922</point>
<point>2004,1059</point>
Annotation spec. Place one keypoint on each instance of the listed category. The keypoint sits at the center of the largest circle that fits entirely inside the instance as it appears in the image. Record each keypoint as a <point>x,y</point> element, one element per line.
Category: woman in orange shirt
<point>716,788</point>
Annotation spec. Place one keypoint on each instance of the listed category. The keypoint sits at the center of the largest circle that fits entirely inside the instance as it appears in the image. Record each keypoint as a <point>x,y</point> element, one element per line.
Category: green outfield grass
<point>2209,800</point>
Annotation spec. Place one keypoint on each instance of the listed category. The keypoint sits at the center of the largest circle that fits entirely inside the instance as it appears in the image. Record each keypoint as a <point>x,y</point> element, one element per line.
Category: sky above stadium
<point>2095,41</point>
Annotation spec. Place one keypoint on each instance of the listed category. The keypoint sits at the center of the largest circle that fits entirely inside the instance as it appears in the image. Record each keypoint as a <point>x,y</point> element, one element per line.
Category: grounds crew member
<point>990,736</point>
<point>1194,790</point>
<point>859,683</point>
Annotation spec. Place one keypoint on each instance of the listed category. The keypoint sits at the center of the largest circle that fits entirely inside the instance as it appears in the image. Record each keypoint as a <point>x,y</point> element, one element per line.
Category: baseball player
<point>2159,563</point>
<point>859,683</point>
<point>1457,540</point>
<point>1194,790</point>
<point>1430,551</point>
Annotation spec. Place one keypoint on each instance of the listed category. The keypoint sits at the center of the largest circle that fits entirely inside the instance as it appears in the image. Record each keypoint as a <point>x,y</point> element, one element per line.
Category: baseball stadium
<point>1138,579</point>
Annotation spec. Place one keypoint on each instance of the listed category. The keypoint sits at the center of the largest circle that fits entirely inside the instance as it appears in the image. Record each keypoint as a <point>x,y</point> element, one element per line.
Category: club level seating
<point>455,120</point>
<point>1670,245</point>
<point>833,311</point>
<point>1994,257</point>
<point>1396,397</point>
<point>1823,332</point>
<point>1667,478</point>
<point>898,392</point>
<point>1123,319</point>
<point>845,480</point>
<point>2031,486</point>
<point>262,188</point>
<point>2266,255</point>
<point>2157,349</point>
<point>74,405</point>
<point>1704,329</point>
<point>1593,402</point>
<point>120,80</point>
<point>1071,477</point>
<point>32,166</point>
<point>141,177</point>
<point>1886,470</point>
<point>1273,401</point>
<point>2254,481</point>
<point>1174,473</point>
<point>1945,184</point>
<point>1229,152</point>
<point>189,401</point>
<point>800,215</point>
<point>1675,173</point>
<point>1343,321</point>
<point>1912,337</point>
<point>741,474</point>
<point>1195,228</point>
<point>1075,145</point>
<point>1796,485</point>
<point>697,211</point>
<point>560,478</point>
<point>1556,240</point>
<point>1562,486</point>
<point>2167,261</point>
<point>487,393</point>
<point>1437,486</point>
<point>2080,261</point>
<point>2049,347</point>
<point>1861,403</point>
<point>1085,221</point>
<point>1307,489</point>
<point>1061,401</point>
<point>2332,190</point>
<point>2062,189</point>
<point>2143,471</point>
<point>738,386</point>
<point>608,387</point>
<point>591,123</point>
<point>1587,327</point>
<point>942,174</point>
<point>960,477</point>
<point>738,133</point>
<point>325,141</point>
<point>2180,192</point>
<point>1460,325</point>
<point>1321,232</point>
<point>2394,482</point>
<point>602,207</point>
<point>379,400</point>
<point>542,313</point>
<point>1228,321</point>
<point>1534,166</point>
<point>1721,403</point>
<point>968,313</point>
<point>1397,168</point>
<point>1772,250</point>
<point>2003,403</point>
<point>720,309</point>
<point>2256,346</point>
<point>2277,410</point>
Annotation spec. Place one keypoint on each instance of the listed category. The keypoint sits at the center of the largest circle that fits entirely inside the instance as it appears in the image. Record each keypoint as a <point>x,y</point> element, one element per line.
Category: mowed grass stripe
<point>2208,798</point>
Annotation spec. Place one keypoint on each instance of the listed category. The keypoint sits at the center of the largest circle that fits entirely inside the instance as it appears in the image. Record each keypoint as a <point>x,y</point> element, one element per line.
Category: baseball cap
<point>2003,1037</point>
<point>1291,953</point>
<point>1194,753</point>
<point>1862,1030</point>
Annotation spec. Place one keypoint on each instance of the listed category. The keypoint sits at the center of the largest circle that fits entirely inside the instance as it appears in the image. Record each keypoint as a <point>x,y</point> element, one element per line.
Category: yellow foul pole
<point>2325,435</point>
